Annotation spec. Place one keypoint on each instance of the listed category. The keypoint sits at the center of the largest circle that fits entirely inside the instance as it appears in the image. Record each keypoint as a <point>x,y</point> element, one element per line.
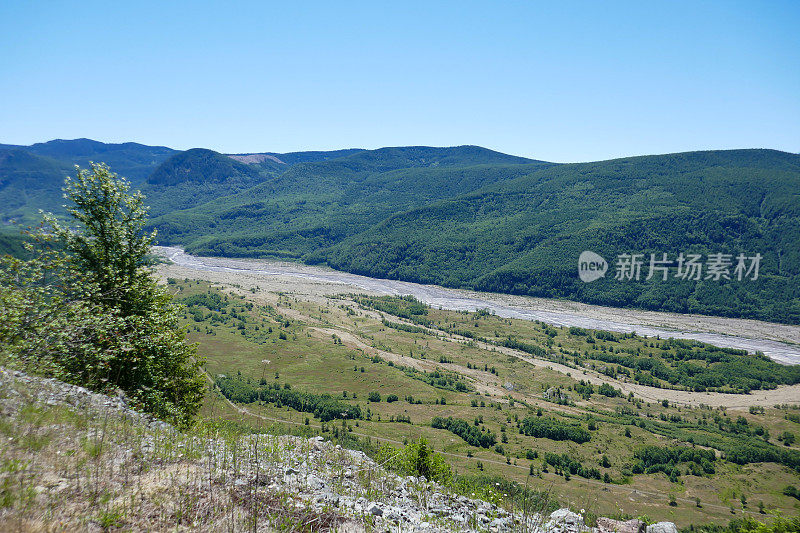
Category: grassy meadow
<point>477,368</point>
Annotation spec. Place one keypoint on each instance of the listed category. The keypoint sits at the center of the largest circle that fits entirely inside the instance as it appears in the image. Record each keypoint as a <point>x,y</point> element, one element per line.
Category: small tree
<point>109,245</point>
<point>116,327</point>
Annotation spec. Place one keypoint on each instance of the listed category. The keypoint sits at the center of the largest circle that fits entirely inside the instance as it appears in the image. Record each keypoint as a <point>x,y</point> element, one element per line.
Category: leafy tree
<point>109,245</point>
<point>88,309</point>
<point>44,317</point>
<point>607,390</point>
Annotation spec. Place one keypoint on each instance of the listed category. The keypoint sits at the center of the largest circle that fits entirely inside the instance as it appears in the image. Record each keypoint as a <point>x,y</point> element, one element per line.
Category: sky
<point>558,81</point>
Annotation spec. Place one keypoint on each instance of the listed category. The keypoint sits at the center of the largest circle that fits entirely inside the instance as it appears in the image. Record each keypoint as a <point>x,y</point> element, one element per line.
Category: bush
<point>651,459</point>
<point>374,397</point>
<point>323,406</point>
<point>607,390</point>
<point>549,428</point>
<point>416,459</point>
<point>471,434</point>
<point>568,465</point>
<point>792,491</point>
<point>392,398</point>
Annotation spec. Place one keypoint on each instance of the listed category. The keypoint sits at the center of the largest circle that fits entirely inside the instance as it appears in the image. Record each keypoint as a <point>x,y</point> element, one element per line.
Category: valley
<point>393,267</point>
<point>302,330</point>
<point>778,341</point>
<point>465,217</point>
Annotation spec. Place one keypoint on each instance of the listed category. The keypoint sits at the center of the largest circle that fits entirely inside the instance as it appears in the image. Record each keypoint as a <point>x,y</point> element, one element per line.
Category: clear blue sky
<point>560,81</point>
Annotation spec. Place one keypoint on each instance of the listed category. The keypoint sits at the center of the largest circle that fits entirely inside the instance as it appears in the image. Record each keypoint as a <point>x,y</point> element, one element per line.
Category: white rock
<point>662,527</point>
<point>564,520</point>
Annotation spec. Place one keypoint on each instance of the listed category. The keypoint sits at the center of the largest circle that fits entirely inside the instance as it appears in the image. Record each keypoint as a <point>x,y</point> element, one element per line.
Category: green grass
<point>311,359</point>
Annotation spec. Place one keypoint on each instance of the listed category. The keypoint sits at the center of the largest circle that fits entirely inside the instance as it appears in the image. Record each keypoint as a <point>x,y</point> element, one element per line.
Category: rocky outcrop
<point>609,525</point>
<point>662,527</point>
<point>140,458</point>
<point>565,521</point>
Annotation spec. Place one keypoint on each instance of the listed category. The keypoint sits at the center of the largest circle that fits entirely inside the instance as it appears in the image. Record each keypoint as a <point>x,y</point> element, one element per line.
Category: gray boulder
<point>375,511</point>
<point>662,527</point>
<point>564,520</point>
<point>609,525</point>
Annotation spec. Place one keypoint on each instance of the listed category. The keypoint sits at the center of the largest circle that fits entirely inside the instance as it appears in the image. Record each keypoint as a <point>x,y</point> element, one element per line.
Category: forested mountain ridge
<point>469,217</point>
<point>524,236</point>
<point>317,204</point>
<point>197,176</point>
<point>29,182</point>
<point>32,177</point>
<point>292,158</point>
<point>133,160</point>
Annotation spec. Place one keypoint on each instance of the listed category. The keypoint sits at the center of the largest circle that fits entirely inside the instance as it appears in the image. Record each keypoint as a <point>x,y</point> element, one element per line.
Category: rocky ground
<point>72,460</point>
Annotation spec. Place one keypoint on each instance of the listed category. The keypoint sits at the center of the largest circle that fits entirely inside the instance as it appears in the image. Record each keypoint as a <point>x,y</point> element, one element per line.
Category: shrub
<point>651,459</point>
<point>323,406</point>
<point>607,390</point>
<point>470,433</point>
<point>568,465</point>
<point>416,459</point>
<point>549,428</point>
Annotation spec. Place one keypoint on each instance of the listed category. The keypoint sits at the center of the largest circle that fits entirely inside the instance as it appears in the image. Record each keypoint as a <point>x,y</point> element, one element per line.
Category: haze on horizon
<point>560,83</point>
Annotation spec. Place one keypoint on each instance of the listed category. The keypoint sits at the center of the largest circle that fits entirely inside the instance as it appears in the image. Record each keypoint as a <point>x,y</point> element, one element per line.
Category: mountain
<point>196,176</point>
<point>133,160</point>
<point>317,204</point>
<point>292,158</point>
<point>524,235</point>
<point>31,177</point>
<point>28,183</point>
<point>465,216</point>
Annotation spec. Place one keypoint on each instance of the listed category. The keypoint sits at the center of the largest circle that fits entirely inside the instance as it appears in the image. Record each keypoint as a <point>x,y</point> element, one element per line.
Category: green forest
<point>466,216</point>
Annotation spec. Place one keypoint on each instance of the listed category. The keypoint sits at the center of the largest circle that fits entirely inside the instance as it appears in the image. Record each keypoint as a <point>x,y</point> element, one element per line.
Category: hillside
<point>317,204</point>
<point>12,242</point>
<point>467,216</point>
<point>457,420</point>
<point>133,160</point>
<point>524,235</point>
<point>197,176</point>
<point>292,158</point>
<point>31,177</point>
<point>134,473</point>
<point>522,395</point>
<point>28,183</point>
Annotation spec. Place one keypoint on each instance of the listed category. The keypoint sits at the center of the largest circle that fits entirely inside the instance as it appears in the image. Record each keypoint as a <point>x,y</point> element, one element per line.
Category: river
<point>516,306</point>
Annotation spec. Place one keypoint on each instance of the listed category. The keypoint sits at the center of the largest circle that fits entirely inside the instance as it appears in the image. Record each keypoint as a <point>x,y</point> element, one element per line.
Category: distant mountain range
<point>462,216</point>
